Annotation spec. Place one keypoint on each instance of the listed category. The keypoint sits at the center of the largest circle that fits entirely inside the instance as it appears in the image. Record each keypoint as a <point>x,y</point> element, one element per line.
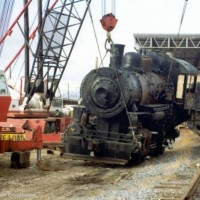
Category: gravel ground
<point>60,178</point>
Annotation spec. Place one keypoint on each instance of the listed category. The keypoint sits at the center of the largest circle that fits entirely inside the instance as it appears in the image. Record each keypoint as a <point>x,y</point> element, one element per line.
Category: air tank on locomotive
<point>130,109</point>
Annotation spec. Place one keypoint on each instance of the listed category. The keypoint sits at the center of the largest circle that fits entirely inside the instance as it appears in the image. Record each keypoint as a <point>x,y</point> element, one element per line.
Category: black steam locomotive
<point>131,109</point>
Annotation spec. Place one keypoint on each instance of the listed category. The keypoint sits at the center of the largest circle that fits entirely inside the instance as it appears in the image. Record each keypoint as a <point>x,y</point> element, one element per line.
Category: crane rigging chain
<point>108,40</point>
<point>108,22</point>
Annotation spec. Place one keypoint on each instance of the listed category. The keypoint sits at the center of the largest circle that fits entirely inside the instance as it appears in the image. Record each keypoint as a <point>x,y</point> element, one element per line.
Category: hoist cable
<point>118,80</point>
<point>3,11</point>
<point>6,11</point>
<point>103,6</point>
<point>5,17</point>
<point>183,14</point>
<point>113,7</point>
<point>95,34</point>
<point>181,22</point>
<point>101,63</point>
<point>124,101</point>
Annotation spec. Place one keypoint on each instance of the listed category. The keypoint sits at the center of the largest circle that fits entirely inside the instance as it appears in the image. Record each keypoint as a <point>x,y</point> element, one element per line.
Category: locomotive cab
<point>188,91</point>
<point>188,94</point>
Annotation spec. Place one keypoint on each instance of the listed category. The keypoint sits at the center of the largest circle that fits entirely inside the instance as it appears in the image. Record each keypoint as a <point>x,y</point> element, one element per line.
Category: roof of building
<point>182,46</point>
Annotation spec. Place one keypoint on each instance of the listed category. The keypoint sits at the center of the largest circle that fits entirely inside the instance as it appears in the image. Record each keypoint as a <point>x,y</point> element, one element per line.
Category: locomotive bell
<point>116,55</point>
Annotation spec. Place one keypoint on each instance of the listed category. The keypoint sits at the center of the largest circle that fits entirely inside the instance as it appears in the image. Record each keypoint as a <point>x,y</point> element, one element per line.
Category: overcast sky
<point>134,16</point>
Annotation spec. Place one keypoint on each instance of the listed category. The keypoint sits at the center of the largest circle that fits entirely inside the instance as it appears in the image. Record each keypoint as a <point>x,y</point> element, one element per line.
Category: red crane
<point>58,31</point>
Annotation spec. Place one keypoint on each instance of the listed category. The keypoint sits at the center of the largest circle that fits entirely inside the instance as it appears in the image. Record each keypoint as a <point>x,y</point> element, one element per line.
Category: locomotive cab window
<point>190,86</point>
<point>180,86</point>
<point>186,82</point>
<point>198,78</point>
<point>198,83</point>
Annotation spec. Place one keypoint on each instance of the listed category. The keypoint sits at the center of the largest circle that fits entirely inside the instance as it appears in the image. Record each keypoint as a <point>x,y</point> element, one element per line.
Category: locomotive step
<point>104,160</point>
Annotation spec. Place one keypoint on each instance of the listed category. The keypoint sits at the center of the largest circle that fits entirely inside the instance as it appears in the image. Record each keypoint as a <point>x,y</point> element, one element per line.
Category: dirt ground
<point>60,178</point>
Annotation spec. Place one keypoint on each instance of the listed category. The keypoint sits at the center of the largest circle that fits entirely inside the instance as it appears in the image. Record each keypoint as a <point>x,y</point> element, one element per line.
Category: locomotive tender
<point>131,109</point>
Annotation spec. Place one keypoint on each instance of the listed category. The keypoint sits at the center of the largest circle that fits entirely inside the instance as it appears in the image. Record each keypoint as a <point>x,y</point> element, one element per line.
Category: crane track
<point>180,187</point>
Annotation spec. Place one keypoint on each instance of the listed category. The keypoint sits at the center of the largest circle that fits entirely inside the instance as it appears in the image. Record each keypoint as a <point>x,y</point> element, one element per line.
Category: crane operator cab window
<point>3,85</point>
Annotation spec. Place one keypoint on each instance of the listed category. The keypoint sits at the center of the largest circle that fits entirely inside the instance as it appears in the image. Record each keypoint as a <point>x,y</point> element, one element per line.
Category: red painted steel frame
<point>4,107</point>
<point>9,31</point>
<point>31,36</point>
<point>35,143</point>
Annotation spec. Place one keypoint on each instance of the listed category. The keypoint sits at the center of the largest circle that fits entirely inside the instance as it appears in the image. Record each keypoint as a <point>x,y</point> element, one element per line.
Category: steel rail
<point>192,188</point>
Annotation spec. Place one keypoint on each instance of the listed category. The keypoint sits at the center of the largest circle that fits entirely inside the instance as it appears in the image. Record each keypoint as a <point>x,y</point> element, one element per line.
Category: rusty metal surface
<point>194,189</point>
<point>179,187</point>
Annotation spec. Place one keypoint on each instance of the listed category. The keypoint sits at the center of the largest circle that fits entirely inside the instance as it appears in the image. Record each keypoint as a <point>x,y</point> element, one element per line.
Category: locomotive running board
<point>104,160</point>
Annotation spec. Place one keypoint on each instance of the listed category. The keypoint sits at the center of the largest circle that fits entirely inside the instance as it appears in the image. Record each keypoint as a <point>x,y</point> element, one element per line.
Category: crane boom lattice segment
<point>59,32</point>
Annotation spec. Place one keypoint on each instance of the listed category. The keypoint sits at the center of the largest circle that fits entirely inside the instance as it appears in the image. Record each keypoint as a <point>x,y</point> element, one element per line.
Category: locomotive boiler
<point>130,109</point>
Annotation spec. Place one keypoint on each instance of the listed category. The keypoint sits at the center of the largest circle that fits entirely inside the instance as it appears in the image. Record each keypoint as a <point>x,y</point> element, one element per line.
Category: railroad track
<point>194,190</point>
<point>180,187</point>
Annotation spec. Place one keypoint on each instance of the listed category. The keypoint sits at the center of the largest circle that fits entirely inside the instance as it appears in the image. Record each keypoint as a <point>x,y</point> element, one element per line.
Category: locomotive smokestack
<point>116,55</point>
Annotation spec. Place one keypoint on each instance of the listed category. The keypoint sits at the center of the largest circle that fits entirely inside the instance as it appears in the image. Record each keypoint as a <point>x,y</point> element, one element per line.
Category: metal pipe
<point>39,154</point>
<point>40,47</point>
<point>26,45</point>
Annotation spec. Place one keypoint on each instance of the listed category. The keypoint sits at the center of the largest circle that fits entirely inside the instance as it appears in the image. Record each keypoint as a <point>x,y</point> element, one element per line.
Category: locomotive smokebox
<point>116,55</point>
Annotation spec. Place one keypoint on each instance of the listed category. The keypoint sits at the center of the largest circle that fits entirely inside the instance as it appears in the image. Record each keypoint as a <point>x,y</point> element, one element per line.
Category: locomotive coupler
<point>96,147</point>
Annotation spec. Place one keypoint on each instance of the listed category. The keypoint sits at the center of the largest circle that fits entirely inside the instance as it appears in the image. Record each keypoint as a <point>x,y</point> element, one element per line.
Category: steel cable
<point>183,14</point>
<point>22,66</point>
<point>181,22</point>
<point>95,34</point>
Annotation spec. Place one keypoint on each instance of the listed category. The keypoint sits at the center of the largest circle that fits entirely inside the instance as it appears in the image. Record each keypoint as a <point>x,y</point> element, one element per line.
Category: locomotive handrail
<point>139,113</point>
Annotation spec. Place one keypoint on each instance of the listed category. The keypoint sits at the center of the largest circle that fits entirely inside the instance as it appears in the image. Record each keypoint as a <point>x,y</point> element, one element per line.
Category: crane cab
<point>5,97</point>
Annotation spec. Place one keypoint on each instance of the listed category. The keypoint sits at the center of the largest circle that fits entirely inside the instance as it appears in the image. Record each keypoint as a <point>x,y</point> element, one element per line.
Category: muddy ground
<point>60,178</point>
